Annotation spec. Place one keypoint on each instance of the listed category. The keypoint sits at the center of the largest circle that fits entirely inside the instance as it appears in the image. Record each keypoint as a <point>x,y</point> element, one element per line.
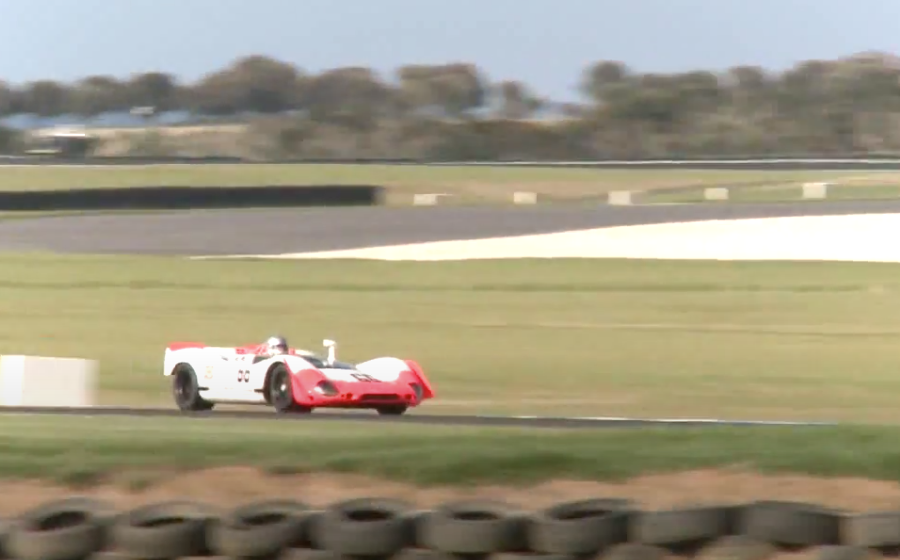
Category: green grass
<point>467,184</point>
<point>781,194</point>
<point>807,341</point>
<point>82,450</point>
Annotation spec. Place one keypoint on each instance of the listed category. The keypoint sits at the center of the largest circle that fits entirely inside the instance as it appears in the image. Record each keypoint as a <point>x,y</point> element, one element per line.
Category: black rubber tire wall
<point>369,528</point>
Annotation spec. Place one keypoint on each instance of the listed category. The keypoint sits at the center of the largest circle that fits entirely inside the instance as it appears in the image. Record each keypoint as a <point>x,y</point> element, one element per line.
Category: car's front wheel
<point>392,410</point>
<point>186,390</point>
<point>281,391</point>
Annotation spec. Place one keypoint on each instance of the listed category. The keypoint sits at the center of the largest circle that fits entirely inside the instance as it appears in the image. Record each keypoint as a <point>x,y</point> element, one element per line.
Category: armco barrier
<point>172,198</point>
<point>610,528</point>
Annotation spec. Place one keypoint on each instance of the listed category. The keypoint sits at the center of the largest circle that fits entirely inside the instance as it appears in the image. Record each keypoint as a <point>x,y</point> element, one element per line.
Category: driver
<point>276,345</point>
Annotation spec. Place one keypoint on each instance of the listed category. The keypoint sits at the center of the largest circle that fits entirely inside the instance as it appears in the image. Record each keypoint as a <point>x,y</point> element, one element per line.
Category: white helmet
<point>277,345</point>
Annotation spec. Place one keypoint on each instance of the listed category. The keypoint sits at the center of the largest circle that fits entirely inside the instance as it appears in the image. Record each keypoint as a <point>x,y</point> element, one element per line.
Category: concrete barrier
<point>815,190</point>
<point>428,199</point>
<point>524,198</point>
<point>715,193</point>
<point>47,381</point>
<point>619,198</point>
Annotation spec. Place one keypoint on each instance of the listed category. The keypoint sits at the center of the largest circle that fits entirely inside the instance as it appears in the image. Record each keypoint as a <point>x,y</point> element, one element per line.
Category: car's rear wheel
<point>186,390</point>
<point>392,410</point>
<point>281,391</point>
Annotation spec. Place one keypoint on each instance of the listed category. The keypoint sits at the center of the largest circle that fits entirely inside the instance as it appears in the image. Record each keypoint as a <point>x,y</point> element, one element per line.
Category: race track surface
<point>420,419</point>
<point>191,233</point>
<point>293,231</point>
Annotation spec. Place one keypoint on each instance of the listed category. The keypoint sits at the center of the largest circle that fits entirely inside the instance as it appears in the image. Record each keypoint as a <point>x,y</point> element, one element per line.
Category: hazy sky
<point>544,42</point>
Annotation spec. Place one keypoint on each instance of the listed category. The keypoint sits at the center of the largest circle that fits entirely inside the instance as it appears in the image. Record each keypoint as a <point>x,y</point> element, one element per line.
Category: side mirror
<point>330,345</point>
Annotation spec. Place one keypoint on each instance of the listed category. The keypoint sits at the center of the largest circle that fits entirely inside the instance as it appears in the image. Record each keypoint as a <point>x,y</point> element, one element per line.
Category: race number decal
<point>209,372</point>
<point>364,377</point>
<point>243,375</point>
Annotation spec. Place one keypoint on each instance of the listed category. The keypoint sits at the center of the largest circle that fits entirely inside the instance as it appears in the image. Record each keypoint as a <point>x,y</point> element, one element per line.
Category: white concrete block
<point>47,381</point>
<point>427,199</point>
<point>715,193</point>
<point>815,190</point>
<point>619,198</point>
<point>524,198</point>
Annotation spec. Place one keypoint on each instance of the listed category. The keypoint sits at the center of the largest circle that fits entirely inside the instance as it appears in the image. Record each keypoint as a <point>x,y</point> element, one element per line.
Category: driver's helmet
<point>276,345</point>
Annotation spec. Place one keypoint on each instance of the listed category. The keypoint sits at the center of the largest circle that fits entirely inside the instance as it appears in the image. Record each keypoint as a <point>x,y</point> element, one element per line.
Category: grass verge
<point>734,340</point>
<point>82,450</point>
<point>791,193</point>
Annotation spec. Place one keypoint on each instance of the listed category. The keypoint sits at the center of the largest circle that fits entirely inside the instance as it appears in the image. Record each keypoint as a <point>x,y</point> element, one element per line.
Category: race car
<point>290,380</point>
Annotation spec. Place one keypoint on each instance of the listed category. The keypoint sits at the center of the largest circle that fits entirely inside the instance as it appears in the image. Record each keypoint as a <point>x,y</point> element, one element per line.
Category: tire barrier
<point>38,160</point>
<point>178,198</point>
<point>612,529</point>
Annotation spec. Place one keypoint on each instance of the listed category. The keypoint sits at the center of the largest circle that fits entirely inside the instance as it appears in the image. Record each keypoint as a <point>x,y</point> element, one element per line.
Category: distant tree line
<point>454,111</point>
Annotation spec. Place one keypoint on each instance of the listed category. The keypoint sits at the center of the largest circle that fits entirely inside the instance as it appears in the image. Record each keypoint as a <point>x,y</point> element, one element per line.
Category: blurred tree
<point>453,109</point>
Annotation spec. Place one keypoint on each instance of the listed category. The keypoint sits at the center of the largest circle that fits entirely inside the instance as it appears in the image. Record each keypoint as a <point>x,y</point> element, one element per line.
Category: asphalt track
<point>218,232</point>
<point>292,231</point>
<point>551,422</point>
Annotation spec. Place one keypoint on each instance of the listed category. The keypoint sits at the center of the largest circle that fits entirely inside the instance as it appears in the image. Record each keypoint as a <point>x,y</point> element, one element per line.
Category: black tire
<point>309,554</point>
<point>531,556</point>
<point>164,530</point>
<point>68,529</point>
<point>259,529</point>
<point>473,527</point>
<point>737,547</point>
<point>425,554</point>
<point>186,390</point>
<point>392,410</point>
<point>844,552</point>
<point>4,532</point>
<point>694,526</point>
<point>370,527</point>
<point>580,527</point>
<point>635,551</point>
<point>790,524</point>
<point>281,391</point>
<point>314,530</point>
<point>876,530</point>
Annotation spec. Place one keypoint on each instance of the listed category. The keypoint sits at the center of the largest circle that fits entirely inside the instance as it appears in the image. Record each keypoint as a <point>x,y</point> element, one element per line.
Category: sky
<point>546,43</point>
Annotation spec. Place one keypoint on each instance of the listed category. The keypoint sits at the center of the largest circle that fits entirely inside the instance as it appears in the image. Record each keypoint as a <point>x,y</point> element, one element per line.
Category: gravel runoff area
<point>274,232</point>
<point>849,238</point>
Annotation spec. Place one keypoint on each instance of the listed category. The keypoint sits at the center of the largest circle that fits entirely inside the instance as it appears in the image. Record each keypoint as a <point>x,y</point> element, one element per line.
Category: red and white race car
<point>290,380</point>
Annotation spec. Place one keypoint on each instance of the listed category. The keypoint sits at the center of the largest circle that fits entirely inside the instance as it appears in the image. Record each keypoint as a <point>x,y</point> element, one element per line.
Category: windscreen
<point>320,363</point>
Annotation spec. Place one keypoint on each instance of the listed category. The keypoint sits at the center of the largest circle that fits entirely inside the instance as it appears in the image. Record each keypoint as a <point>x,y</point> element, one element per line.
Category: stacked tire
<point>378,528</point>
